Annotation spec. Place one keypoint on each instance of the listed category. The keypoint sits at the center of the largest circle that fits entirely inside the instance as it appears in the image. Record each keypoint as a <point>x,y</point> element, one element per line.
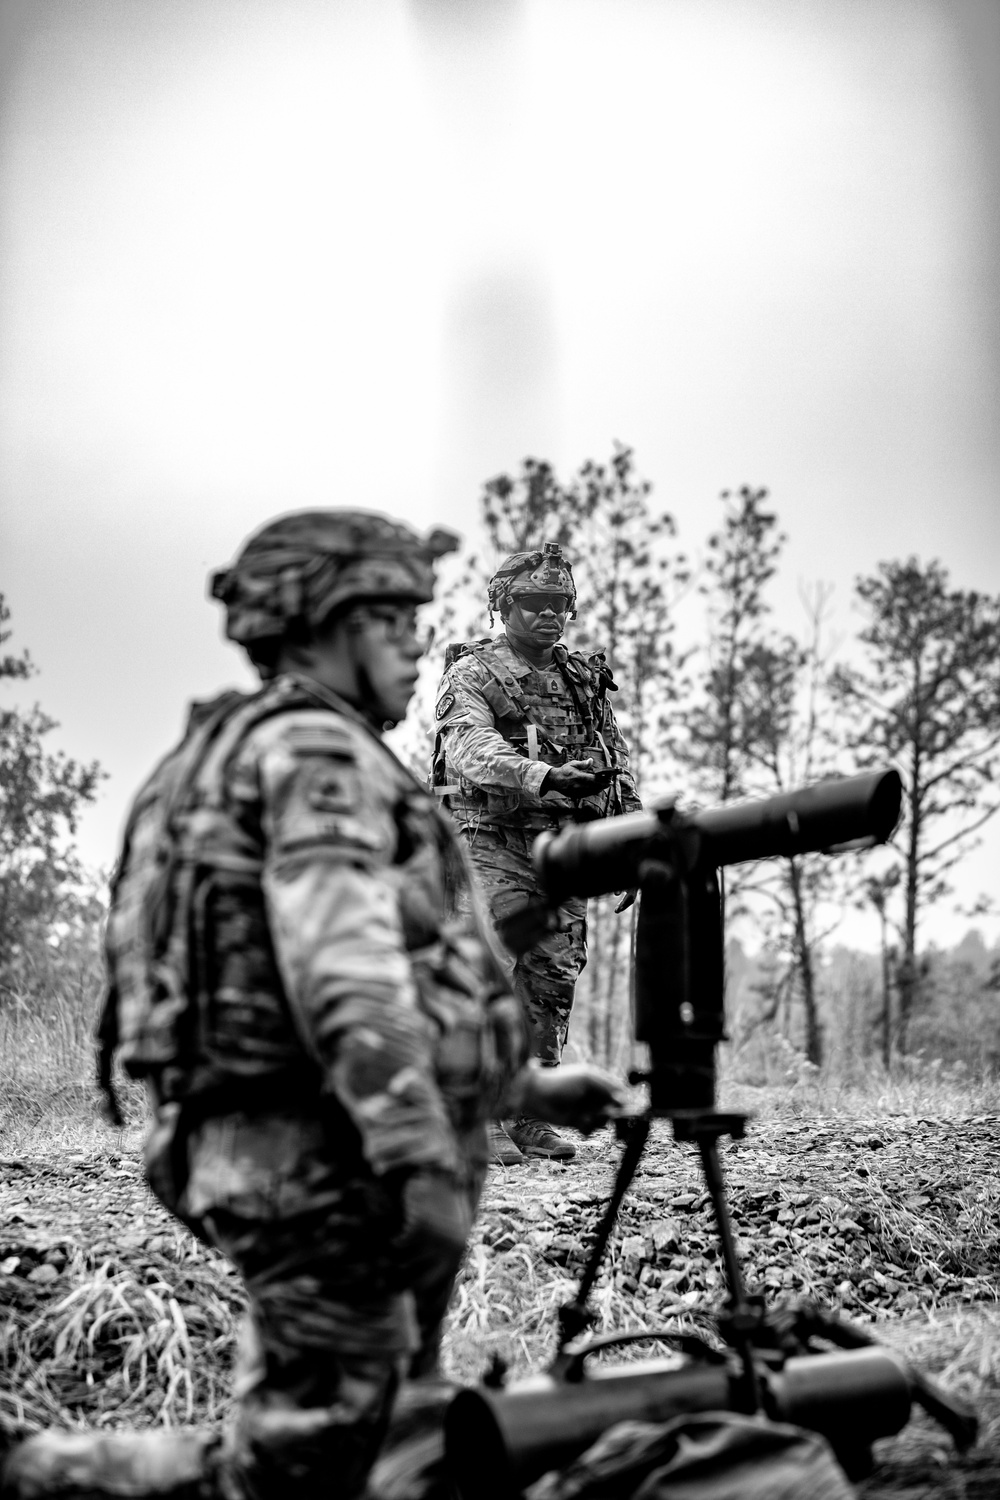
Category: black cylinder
<point>589,859</point>
<point>497,1442</point>
<point>817,818</point>
<point>851,1396</point>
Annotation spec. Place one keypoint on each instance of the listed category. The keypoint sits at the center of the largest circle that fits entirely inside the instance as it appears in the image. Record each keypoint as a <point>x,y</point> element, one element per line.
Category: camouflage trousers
<point>544,978</point>
<point>334,1321</point>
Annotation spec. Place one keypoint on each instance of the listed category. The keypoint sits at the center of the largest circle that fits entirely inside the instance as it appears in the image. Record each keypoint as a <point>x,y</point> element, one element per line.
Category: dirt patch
<point>112,1314</point>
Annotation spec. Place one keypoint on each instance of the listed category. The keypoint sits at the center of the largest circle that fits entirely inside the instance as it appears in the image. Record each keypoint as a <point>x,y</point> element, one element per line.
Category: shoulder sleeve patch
<point>445,705</point>
<point>311,740</point>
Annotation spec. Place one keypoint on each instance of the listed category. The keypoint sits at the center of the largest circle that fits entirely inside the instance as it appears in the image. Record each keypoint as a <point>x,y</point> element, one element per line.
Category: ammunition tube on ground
<point>497,1442</point>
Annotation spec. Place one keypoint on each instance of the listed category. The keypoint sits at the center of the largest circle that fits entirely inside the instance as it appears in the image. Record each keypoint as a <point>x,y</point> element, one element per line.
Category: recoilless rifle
<point>775,1362</point>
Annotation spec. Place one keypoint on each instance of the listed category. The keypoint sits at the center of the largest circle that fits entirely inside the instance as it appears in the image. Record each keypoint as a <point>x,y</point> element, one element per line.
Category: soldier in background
<point>526,739</point>
<point>322,1043</point>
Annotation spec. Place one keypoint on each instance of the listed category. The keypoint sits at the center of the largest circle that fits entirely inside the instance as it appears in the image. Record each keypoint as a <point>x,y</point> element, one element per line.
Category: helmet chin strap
<point>521,630</point>
<point>365,696</point>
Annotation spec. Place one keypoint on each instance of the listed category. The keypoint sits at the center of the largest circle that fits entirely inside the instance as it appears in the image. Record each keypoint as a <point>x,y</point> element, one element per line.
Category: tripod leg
<point>573,1317</point>
<point>717,1192</point>
<point>742,1318</point>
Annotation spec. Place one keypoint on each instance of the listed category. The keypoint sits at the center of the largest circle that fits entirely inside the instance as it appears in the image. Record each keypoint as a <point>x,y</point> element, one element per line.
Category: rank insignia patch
<point>330,791</point>
<point>447,702</point>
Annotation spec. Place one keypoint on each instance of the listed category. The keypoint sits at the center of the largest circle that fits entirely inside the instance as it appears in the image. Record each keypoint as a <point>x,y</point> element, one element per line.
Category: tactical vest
<point>555,713</point>
<point>187,874</point>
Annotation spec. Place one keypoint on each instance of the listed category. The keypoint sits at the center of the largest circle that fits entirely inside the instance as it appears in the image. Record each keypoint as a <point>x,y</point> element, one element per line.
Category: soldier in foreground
<point>322,1044</point>
<point>527,739</point>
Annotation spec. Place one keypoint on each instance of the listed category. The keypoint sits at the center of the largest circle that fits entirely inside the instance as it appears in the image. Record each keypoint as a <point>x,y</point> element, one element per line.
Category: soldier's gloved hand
<point>577,1094</point>
<point>436,1222</point>
<point>577,778</point>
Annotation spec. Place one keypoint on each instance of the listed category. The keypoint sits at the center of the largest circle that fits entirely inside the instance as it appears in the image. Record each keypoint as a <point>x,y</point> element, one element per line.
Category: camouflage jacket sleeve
<point>330,886</point>
<point>616,744</point>
<point>474,747</point>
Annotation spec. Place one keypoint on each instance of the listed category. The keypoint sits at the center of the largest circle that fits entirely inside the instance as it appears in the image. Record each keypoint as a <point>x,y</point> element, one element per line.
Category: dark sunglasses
<point>538,603</point>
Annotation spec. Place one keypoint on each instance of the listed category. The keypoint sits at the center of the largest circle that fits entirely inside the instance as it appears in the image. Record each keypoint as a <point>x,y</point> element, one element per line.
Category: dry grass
<point>506,1306</point>
<point>146,1335</point>
<point>960,1347</point>
<point>117,1349</point>
<point>777,1082</point>
<point>45,1044</point>
<point>126,1343</point>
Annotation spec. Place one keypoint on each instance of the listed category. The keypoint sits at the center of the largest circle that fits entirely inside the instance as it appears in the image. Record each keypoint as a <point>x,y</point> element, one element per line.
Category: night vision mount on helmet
<point>545,572</point>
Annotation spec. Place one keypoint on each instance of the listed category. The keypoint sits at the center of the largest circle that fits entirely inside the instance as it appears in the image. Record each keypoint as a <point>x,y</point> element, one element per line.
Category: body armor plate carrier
<point>556,713</point>
<point>179,858</point>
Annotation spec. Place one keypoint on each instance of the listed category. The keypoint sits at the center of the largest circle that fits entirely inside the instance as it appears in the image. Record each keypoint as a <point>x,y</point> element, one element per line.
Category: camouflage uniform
<point>386,1030</point>
<point>501,724</point>
<point>314,1029</point>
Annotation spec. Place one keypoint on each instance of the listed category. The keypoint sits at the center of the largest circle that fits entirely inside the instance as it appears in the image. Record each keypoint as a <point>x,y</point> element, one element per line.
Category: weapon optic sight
<point>589,859</point>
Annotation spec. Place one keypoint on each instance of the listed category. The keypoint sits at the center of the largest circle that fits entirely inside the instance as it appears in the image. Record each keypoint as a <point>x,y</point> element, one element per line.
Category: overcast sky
<point>264,254</point>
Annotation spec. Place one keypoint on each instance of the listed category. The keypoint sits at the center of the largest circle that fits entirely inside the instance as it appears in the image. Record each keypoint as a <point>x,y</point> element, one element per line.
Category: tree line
<point>732,707</point>
<point>742,708</point>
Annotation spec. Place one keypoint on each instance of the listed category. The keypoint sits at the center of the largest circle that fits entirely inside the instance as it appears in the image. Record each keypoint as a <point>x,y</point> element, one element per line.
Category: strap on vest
<point>505,680</point>
<point>569,666</point>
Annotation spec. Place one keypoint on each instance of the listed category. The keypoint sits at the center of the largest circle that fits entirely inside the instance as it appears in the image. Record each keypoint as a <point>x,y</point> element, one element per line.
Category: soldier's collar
<point>519,665</point>
<point>329,699</point>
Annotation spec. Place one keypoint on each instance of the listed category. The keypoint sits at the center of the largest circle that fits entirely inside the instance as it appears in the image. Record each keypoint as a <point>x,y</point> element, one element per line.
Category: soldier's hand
<point>436,1222</point>
<point>577,778</point>
<point>577,1094</point>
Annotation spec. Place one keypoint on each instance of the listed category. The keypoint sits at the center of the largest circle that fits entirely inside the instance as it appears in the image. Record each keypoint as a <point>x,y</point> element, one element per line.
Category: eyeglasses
<point>399,622</point>
<point>539,603</point>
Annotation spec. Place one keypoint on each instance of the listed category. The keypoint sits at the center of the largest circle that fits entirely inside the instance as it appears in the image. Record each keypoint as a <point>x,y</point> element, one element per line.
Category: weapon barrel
<point>589,859</point>
<point>828,815</point>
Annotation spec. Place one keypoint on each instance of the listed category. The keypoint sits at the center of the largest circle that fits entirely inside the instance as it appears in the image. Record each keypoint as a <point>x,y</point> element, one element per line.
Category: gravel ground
<point>892,1222</point>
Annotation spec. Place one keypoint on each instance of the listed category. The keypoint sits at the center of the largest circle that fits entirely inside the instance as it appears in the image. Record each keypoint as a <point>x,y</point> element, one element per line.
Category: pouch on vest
<point>150,1011</point>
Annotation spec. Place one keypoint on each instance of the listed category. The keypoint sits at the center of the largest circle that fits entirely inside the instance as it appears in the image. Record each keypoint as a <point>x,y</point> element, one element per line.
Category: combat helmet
<point>293,573</point>
<point>545,572</point>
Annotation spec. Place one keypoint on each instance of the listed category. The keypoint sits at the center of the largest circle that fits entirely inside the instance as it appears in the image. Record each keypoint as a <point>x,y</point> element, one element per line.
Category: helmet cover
<point>298,569</point>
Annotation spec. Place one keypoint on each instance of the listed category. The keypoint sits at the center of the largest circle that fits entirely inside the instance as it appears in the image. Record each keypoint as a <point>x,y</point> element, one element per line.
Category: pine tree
<point>41,797</point>
<point>757,727</point>
<point>928,698</point>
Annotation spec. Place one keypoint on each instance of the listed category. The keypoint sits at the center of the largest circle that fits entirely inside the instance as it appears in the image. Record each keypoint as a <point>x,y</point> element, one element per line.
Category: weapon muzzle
<point>852,1396</point>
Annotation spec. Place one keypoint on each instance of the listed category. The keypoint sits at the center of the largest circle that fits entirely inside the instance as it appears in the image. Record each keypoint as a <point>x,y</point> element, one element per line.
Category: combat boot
<point>537,1138</point>
<point>503,1151</point>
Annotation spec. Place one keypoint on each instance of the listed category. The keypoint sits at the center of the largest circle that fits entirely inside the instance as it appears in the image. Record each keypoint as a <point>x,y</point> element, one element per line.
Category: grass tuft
<point>128,1345</point>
